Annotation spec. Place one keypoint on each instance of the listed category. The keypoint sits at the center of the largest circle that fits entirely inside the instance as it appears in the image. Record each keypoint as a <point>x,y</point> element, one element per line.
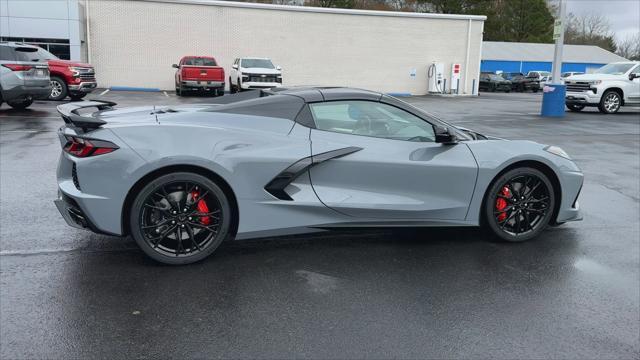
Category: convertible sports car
<point>182,179</point>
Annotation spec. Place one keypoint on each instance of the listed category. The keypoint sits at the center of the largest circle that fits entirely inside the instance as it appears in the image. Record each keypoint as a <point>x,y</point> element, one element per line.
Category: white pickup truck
<point>610,87</point>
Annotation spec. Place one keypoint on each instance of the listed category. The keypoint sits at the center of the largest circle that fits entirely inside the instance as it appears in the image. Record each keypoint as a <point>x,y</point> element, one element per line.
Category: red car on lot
<point>200,73</point>
<point>68,78</point>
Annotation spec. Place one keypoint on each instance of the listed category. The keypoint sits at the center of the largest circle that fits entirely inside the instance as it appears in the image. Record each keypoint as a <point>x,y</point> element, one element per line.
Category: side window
<point>369,118</point>
<point>6,53</point>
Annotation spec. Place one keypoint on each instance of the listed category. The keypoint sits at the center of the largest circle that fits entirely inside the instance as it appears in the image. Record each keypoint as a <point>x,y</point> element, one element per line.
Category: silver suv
<point>23,78</point>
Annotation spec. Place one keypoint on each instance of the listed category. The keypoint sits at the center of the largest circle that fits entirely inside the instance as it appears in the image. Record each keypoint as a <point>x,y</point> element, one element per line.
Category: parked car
<point>570,73</point>
<point>510,75</point>
<point>254,73</point>
<point>68,78</point>
<point>539,75</point>
<point>22,77</point>
<point>295,161</point>
<point>492,82</point>
<point>199,73</point>
<point>546,80</point>
<point>522,83</point>
<point>610,87</point>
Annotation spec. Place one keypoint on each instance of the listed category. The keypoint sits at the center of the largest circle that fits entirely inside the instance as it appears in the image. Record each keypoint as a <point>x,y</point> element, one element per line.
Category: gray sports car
<point>180,180</point>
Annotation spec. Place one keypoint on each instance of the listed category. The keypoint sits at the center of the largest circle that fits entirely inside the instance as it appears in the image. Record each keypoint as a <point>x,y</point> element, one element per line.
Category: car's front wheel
<point>519,204</point>
<point>610,102</point>
<point>58,89</point>
<point>180,218</point>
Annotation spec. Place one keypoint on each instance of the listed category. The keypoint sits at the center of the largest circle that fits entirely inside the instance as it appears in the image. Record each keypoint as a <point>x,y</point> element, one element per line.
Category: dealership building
<point>134,43</point>
<point>525,57</point>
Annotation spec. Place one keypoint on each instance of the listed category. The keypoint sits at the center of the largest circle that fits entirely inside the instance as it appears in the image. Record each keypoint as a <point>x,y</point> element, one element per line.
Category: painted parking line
<point>104,92</point>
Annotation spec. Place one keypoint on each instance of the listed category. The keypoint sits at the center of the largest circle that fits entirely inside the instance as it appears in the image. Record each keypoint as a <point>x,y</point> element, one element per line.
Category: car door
<point>388,165</point>
<point>633,86</point>
<point>233,76</point>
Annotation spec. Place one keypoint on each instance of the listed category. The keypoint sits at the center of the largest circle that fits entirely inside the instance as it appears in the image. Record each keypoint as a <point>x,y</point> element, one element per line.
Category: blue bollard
<point>553,100</point>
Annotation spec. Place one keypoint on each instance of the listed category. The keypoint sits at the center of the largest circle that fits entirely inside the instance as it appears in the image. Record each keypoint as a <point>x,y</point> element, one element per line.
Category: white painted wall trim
<point>319,9</point>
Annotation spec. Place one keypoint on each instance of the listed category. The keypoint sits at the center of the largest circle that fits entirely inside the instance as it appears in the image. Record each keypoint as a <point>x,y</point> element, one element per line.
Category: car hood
<point>59,62</point>
<point>259,71</point>
<point>591,77</point>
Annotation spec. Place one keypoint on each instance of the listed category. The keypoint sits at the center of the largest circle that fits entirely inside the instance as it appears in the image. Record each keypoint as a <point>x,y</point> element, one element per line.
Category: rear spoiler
<point>70,115</point>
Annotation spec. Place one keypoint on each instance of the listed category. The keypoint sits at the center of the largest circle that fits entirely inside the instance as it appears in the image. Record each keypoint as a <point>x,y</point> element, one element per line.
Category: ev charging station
<point>455,78</point>
<point>435,74</point>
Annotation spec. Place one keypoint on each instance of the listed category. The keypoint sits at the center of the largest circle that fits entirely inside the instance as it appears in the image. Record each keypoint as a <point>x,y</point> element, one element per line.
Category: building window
<point>58,47</point>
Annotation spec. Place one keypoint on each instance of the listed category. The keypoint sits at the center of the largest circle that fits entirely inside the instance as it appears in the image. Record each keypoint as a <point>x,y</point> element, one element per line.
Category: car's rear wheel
<point>20,105</point>
<point>519,204</point>
<point>180,218</point>
<point>574,107</point>
<point>58,89</point>
<point>610,102</point>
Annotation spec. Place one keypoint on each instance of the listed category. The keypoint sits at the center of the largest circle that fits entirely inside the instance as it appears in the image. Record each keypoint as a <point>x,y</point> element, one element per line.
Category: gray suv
<point>23,78</point>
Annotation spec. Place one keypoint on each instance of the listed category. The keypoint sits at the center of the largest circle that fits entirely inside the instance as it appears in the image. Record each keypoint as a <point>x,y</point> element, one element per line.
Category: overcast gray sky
<point>623,15</point>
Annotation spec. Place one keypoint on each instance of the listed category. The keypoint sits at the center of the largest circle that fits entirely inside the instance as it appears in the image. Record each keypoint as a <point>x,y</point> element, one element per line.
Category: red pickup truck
<point>200,73</point>
<point>68,78</point>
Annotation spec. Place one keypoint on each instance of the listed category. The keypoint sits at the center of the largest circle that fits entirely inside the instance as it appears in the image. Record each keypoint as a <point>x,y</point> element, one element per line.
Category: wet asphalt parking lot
<point>574,292</point>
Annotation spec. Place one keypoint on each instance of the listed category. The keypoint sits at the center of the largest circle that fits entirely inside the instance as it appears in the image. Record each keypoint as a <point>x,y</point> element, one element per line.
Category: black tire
<point>20,105</point>
<point>534,186</point>
<point>76,97</point>
<point>574,107</point>
<point>59,89</point>
<point>238,87</point>
<point>535,90</point>
<point>610,102</point>
<point>170,221</point>
<point>492,88</point>
<point>232,88</point>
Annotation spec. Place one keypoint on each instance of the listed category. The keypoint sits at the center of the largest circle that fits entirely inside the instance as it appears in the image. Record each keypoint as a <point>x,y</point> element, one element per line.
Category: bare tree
<point>589,29</point>
<point>629,48</point>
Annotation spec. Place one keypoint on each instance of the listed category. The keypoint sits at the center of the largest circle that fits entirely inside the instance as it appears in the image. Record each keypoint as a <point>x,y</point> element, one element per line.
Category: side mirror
<point>235,66</point>
<point>278,68</point>
<point>634,76</point>
<point>445,136</point>
<point>175,66</point>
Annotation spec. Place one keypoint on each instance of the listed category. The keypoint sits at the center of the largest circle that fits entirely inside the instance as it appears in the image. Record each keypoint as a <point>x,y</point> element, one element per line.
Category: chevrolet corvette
<point>180,180</point>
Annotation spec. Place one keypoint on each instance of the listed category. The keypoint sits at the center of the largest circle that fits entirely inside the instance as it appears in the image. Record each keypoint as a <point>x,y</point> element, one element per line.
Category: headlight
<point>595,82</point>
<point>557,151</point>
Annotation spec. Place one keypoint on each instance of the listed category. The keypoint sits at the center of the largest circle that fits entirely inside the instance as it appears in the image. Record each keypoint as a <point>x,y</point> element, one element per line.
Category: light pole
<point>553,94</point>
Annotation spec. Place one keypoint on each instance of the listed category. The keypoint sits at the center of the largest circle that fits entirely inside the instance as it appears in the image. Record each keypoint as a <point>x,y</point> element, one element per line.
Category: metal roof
<point>512,51</point>
<point>321,9</point>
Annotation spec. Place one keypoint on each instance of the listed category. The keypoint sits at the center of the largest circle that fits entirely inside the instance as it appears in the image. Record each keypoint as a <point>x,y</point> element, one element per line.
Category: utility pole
<point>558,36</point>
<point>553,95</point>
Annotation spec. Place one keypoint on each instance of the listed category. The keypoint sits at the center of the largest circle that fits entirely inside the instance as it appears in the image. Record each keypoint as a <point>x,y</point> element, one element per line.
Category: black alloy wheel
<point>519,204</point>
<point>180,218</point>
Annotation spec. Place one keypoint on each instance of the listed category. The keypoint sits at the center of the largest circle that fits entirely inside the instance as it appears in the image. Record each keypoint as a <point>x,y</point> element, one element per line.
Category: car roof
<point>17,44</point>
<point>327,93</point>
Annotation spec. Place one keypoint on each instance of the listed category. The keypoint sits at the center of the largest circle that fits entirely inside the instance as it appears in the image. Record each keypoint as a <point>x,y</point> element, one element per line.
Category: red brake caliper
<point>501,203</point>
<point>201,206</point>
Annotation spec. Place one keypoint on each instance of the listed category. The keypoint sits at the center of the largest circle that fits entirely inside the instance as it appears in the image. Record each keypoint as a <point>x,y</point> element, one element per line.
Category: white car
<point>610,87</point>
<point>570,73</point>
<point>538,75</point>
<point>254,73</point>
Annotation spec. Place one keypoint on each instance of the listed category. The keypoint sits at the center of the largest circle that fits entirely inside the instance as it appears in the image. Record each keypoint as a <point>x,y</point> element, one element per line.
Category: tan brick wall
<point>134,43</point>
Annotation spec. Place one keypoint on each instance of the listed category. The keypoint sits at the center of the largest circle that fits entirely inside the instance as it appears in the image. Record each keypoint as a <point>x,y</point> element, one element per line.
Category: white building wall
<point>50,19</point>
<point>134,43</point>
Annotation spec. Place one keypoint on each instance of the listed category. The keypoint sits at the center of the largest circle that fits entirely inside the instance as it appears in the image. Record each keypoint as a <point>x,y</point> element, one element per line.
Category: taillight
<point>18,67</point>
<point>82,148</point>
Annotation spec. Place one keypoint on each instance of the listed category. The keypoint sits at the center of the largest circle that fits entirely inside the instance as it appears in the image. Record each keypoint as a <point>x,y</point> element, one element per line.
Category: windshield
<point>200,62</point>
<point>257,63</point>
<point>615,69</point>
<point>495,77</point>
